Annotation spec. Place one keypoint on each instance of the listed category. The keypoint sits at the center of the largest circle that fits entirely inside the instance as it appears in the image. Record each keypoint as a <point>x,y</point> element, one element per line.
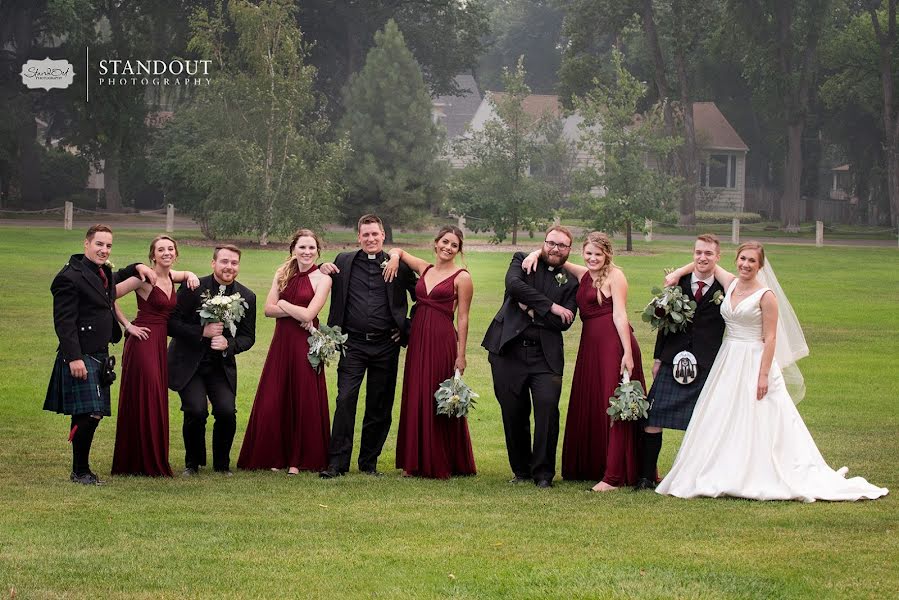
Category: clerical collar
<point>550,268</point>
<point>371,256</point>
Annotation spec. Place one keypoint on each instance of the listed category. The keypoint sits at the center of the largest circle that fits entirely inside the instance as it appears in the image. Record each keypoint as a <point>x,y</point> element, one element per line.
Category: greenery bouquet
<point>454,397</point>
<point>629,402</point>
<point>324,343</point>
<point>669,310</point>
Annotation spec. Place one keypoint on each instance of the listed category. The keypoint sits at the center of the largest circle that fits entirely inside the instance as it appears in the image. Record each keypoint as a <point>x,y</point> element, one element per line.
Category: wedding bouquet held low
<point>324,344</point>
<point>629,402</point>
<point>219,308</point>
<point>454,397</point>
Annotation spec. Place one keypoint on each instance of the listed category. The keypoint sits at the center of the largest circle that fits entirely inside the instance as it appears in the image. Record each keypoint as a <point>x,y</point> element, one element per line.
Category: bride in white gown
<point>746,438</point>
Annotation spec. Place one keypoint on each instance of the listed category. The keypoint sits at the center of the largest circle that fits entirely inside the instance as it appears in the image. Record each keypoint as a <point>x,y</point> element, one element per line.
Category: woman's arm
<point>130,285</point>
<point>306,314</point>
<point>674,276</point>
<point>140,333</point>
<point>193,282</point>
<point>464,292</point>
<point>618,283</point>
<point>272,310</point>
<point>769,338</point>
<point>413,262</point>
<point>577,270</point>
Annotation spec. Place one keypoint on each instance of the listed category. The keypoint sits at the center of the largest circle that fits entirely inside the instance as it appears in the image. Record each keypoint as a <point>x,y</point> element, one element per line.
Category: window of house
<point>718,171</point>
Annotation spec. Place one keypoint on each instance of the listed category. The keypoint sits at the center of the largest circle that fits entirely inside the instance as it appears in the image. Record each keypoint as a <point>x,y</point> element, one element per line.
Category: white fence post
<point>735,231</point>
<point>460,223</point>
<point>169,218</point>
<point>67,216</point>
<point>648,235</point>
<point>819,234</point>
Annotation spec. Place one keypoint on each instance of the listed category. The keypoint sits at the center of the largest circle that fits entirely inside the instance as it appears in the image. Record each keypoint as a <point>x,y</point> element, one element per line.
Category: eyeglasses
<point>552,245</point>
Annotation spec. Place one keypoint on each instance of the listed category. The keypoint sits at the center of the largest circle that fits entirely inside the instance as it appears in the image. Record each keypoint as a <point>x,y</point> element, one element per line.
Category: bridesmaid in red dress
<point>289,425</point>
<point>142,423</point>
<point>431,445</point>
<point>594,448</point>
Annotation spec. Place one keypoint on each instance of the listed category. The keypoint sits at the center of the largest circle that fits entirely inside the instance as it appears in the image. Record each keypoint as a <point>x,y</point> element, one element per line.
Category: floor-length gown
<point>738,446</point>
<point>431,445</point>
<point>594,448</point>
<point>142,424</point>
<point>289,424</point>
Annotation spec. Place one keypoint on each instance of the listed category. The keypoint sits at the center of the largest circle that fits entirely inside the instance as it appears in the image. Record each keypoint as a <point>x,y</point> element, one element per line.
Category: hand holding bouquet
<point>454,397</point>
<point>669,310</point>
<point>629,402</point>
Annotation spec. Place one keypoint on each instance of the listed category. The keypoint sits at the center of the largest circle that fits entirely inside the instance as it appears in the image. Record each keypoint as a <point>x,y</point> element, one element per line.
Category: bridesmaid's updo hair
<point>290,268</point>
<point>601,241</point>
<point>153,245</point>
<point>752,245</point>
<point>453,230</point>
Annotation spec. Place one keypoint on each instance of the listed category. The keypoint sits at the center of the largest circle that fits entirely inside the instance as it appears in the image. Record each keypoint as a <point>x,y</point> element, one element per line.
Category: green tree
<point>247,155</point>
<point>494,191</point>
<point>396,170</point>
<point>624,191</point>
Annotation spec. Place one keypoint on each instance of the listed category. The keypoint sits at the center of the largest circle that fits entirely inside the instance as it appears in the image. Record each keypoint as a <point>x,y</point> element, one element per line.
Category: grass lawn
<point>266,535</point>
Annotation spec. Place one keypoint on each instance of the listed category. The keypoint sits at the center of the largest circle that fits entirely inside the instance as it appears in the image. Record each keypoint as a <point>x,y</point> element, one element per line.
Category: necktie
<point>104,280</point>
<point>699,286</point>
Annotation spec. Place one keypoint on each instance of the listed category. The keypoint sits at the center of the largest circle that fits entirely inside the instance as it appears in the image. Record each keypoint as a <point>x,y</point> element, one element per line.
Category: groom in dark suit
<point>373,313</point>
<point>672,402</point>
<point>202,365</point>
<point>526,356</point>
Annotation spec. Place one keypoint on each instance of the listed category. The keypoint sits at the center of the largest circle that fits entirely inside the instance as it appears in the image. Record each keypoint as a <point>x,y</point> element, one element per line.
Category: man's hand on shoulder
<point>329,268</point>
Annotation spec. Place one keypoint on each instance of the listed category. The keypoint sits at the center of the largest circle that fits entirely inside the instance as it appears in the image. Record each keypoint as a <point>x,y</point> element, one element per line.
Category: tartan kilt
<point>69,396</point>
<point>672,404</point>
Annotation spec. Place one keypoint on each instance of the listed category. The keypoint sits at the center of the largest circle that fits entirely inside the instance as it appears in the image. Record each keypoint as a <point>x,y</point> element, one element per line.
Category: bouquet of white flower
<point>324,343</point>
<point>454,397</point>
<point>669,310</point>
<point>629,402</point>
<point>228,310</point>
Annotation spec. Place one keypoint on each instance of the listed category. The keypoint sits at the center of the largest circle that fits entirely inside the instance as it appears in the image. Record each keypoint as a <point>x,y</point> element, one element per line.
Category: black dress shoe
<point>519,479</point>
<point>372,472</point>
<point>330,473</point>
<point>644,484</point>
<point>85,479</point>
<point>543,483</point>
<point>189,472</point>
<point>225,472</point>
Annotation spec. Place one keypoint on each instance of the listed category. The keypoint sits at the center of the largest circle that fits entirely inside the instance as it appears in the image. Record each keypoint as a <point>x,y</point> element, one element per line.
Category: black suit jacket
<point>402,284</point>
<point>538,291</point>
<point>702,337</point>
<point>83,314</point>
<point>188,344</point>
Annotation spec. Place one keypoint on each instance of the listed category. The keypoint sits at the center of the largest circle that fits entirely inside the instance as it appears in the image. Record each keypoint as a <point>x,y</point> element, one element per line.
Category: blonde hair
<point>290,268</point>
<point>752,245</point>
<point>601,241</point>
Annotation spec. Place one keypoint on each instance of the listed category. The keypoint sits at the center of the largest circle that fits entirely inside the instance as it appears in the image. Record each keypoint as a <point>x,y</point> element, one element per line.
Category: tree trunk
<point>111,171</point>
<point>29,164</point>
<point>629,244</point>
<point>388,233</point>
<point>887,40</point>
<point>790,202</point>
<point>892,159</point>
<point>688,152</point>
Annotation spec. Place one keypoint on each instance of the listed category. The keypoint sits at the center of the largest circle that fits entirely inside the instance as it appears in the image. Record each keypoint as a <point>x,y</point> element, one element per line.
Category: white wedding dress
<point>738,446</point>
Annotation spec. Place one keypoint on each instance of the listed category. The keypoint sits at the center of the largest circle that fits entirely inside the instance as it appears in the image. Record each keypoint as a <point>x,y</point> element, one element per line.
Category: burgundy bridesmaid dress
<point>142,424</point>
<point>431,445</point>
<point>289,425</point>
<point>593,450</point>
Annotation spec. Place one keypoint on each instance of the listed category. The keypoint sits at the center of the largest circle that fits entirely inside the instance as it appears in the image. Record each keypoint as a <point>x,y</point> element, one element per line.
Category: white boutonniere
<point>561,278</point>
<point>109,264</point>
<point>718,297</point>
<point>384,264</point>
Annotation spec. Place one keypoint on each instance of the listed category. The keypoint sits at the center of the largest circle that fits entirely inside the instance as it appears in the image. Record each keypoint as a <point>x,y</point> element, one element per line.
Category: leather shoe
<point>189,472</point>
<point>372,472</point>
<point>330,473</point>
<point>519,479</point>
<point>644,484</point>
<point>543,483</point>
<point>225,472</point>
<point>85,479</point>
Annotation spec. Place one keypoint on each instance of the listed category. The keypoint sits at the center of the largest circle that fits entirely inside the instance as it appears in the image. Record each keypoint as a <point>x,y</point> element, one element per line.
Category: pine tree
<point>395,169</point>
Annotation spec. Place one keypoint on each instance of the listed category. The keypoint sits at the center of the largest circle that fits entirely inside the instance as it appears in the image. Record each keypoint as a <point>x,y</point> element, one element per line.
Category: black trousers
<point>209,382</point>
<point>521,376</point>
<point>379,359</point>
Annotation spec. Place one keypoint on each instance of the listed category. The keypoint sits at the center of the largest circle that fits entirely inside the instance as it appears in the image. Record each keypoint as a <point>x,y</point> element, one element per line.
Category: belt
<point>369,337</point>
<point>530,343</point>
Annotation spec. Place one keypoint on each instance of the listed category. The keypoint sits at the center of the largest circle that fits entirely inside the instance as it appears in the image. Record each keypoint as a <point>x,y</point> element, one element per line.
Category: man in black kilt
<point>84,319</point>
<point>681,356</point>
